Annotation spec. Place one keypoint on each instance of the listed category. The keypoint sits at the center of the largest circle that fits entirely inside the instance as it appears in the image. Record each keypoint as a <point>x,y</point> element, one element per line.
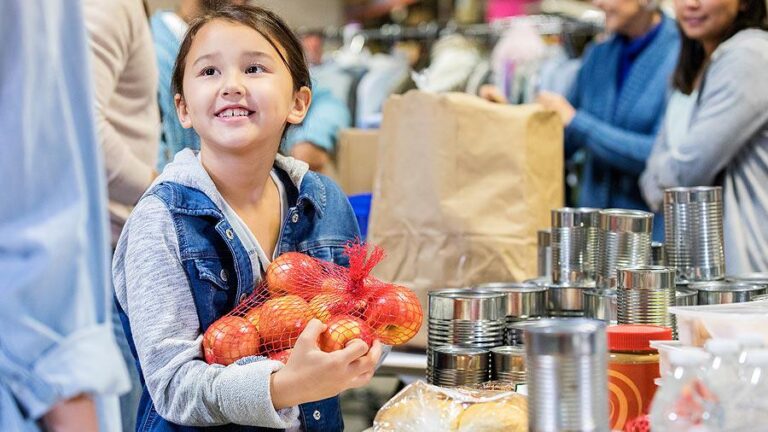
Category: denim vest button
<point>316,415</point>
<point>242,297</point>
<point>295,218</point>
<point>230,233</point>
<point>224,275</point>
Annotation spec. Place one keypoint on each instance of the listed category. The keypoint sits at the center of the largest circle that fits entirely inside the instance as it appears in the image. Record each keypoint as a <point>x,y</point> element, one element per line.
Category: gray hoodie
<point>728,133</point>
<point>152,289</point>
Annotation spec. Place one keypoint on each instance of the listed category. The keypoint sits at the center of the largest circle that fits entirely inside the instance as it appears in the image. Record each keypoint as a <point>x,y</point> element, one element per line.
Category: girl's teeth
<point>233,112</point>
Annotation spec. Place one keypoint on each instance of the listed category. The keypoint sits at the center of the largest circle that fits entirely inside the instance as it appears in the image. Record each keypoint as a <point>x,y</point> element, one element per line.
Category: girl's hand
<point>558,104</point>
<point>313,375</point>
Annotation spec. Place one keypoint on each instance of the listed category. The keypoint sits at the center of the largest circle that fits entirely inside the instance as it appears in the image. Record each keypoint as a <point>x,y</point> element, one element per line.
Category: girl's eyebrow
<point>205,57</point>
<point>257,54</point>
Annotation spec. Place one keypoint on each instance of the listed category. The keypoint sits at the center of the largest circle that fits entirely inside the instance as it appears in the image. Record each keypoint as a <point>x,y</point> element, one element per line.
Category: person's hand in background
<point>77,414</point>
<point>558,104</point>
<point>492,93</point>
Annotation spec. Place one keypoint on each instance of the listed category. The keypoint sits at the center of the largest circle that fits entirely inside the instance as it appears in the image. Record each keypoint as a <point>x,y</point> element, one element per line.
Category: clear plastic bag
<point>421,407</point>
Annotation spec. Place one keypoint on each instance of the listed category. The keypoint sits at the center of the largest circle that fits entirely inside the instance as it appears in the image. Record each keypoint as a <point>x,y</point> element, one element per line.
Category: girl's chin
<point>237,144</point>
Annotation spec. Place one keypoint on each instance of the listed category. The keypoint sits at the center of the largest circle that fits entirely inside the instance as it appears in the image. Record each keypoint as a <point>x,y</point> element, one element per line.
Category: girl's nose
<point>232,87</point>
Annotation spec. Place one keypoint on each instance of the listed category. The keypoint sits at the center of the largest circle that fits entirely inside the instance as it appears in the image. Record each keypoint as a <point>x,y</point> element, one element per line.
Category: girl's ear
<point>301,101</point>
<point>182,111</point>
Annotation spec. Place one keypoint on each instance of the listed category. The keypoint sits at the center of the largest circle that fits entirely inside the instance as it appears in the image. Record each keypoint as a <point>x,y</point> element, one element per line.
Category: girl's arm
<point>732,109</point>
<point>152,288</point>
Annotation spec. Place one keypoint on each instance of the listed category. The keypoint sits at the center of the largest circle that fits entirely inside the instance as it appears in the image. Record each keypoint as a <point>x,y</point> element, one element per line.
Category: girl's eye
<point>254,69</point>
<point>208,71</point>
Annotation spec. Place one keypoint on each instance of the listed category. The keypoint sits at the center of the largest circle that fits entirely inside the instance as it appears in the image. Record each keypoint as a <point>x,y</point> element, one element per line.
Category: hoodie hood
<point>187,170</point>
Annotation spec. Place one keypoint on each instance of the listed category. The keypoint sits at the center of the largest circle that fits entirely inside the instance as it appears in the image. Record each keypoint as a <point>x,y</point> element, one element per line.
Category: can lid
<point>635,337</point>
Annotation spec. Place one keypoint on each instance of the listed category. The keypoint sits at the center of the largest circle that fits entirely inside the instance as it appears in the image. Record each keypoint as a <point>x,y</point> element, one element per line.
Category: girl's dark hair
<point>267,23</point>
<point>752,14</point>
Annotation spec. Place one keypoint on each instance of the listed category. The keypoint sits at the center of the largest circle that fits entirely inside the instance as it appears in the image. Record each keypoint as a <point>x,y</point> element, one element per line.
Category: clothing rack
<point>546,25</point>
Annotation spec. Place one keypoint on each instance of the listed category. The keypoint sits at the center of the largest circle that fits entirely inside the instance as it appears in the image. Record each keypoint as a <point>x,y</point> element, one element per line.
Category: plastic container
<point>361,205</point>
<point>697,324</point>
<point>633,365</point>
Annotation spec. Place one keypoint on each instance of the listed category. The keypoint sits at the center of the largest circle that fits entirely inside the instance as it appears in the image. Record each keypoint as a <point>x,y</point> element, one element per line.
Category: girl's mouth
<point>233,113</point>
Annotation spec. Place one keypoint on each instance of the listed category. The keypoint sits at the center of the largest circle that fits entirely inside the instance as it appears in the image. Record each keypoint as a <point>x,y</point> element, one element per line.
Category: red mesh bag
<point>296,288</point>
<point>638,424</point>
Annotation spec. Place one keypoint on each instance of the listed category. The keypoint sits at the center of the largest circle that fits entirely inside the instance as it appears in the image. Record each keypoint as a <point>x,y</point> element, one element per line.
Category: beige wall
<point>298,13</point>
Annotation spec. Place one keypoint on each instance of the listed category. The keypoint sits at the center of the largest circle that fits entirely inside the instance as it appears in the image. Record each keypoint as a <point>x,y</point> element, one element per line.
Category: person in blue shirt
<point>198,241</point>
<point>615,108</point>
<point>60,368</point>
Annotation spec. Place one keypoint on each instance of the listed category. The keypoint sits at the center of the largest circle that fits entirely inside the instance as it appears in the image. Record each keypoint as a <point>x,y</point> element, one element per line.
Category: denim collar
<point>187,170</point>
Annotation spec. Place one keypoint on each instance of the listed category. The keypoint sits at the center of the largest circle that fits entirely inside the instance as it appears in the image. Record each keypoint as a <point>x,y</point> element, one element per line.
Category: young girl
<point>201,237</point>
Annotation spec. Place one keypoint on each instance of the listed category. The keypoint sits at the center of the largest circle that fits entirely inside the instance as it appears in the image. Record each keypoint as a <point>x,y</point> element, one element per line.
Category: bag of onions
<point>352,303</point>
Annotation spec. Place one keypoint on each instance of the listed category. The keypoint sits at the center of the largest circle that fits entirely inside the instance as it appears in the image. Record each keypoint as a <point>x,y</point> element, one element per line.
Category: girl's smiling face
<point>238,91</point>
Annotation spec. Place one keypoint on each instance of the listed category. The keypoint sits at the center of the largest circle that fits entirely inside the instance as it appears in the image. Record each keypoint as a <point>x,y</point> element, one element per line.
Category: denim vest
<point>320,223</point>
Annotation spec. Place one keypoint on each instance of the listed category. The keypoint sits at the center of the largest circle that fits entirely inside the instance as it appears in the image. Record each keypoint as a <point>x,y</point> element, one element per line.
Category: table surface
<point>404,363</point>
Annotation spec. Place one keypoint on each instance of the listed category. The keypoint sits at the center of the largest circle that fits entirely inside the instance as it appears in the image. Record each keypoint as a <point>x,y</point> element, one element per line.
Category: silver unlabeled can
<point>645,294</point>
<point>566,362</point>
<point>574,244</point>
<point>693,231</point>
<point>624,240</point>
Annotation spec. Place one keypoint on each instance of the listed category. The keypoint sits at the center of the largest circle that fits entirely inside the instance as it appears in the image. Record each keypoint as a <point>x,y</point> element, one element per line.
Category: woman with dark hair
<point>716,127</point>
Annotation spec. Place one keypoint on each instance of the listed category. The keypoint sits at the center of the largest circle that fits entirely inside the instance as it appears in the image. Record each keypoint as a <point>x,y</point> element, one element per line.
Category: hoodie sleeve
<point>152,289</point>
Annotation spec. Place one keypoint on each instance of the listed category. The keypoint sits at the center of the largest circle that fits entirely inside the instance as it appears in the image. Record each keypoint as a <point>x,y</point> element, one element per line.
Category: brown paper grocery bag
<point>462,186</point>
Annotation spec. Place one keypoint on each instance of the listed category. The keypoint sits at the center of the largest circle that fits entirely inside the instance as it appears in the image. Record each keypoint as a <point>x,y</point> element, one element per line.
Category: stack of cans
<point>464,318</point>
<point>693,227</point>
<point>624,241</point>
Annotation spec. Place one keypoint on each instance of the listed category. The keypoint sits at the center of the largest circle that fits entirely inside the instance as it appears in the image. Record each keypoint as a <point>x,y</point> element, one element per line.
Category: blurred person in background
<point>716,127</point>
<point>313,43</point>
<point>168,28</point>
<point>367,10</point>
<point>314,141</point>
<point>615,108</point>
<point>124,75</point>
<point>60,369</point>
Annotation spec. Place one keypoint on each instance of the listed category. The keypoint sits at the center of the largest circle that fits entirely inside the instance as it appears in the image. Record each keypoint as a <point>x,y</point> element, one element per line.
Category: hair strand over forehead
<point>266,23</point>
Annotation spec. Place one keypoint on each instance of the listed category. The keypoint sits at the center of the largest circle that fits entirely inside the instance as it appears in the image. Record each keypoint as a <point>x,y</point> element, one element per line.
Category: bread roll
<point>430,414</point>
<point>501,416</point>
